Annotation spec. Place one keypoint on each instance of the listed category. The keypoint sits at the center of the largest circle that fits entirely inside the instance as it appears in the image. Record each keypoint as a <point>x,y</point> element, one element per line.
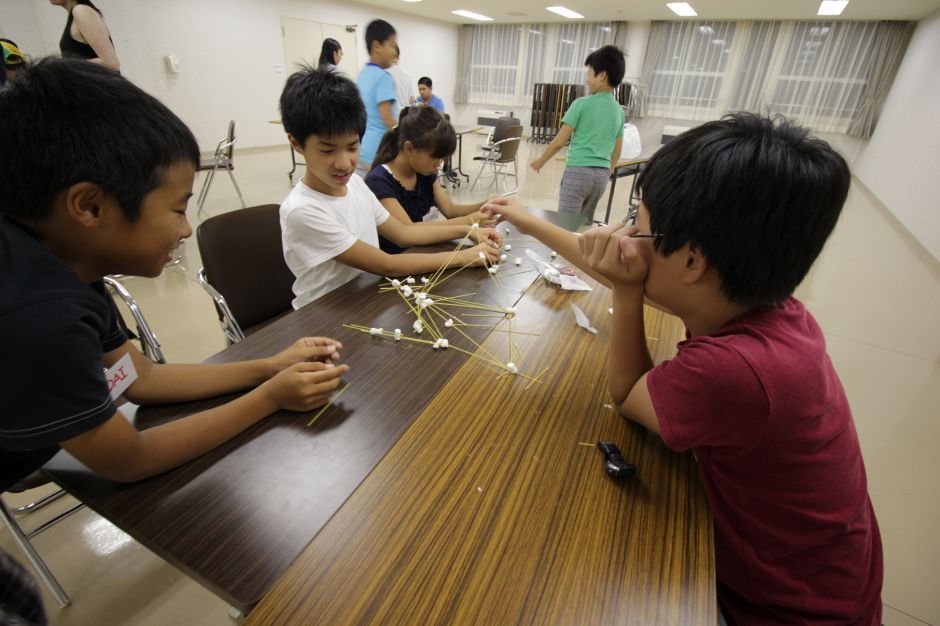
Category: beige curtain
<point>891,41</point>
<point>654,49</point>
<point>464,49</point>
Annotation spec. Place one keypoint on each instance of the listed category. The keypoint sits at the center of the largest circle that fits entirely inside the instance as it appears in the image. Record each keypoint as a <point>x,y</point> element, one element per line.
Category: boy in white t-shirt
<point>331,221</point>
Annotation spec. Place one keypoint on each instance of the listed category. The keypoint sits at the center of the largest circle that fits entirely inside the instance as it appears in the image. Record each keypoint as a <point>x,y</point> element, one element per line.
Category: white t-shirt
<point>315,228</point>
<point>404,85</point>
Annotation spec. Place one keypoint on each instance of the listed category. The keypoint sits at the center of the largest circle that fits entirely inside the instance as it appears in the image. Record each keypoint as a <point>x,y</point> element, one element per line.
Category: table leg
<point>610,198</point>
<point>458,171</point>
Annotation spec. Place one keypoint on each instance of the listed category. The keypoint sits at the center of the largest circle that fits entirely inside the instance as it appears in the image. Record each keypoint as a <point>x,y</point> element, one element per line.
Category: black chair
<point>244,269</point>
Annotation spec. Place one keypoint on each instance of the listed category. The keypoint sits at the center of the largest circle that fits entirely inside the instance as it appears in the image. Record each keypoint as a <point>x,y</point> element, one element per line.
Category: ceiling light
<point>681,8</point>
<point>412,0</point>
<point>832,7</point>
<point>472,15</point>
<point>562,11</point>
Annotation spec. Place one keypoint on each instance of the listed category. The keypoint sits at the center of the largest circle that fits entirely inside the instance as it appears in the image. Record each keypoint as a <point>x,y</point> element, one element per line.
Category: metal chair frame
<point>223,158</point>
<point>22,538</point>
<point>495,160</point>
<point>150,345</point>
<point>233,332</point>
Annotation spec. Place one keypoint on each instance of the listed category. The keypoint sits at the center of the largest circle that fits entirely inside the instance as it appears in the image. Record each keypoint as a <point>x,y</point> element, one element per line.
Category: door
<point>304,38</point>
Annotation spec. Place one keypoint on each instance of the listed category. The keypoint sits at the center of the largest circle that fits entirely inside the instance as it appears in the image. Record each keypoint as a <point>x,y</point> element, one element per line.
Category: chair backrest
<point>230,151</point>
<point>502,125</point>
<point>671,132</point>
<point>244,260</point>
<point>507,150</point>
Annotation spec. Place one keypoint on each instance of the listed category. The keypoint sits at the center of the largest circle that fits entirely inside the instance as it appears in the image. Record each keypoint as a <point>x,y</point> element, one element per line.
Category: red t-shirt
<point>759,403</point>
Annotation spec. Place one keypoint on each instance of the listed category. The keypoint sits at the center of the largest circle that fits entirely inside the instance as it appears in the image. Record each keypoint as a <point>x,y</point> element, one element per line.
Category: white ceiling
<point>503,11</point>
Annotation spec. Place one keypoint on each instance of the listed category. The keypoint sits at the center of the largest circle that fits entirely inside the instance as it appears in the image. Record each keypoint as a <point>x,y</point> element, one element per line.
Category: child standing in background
<point>594,124</point>
<point>377,90</point>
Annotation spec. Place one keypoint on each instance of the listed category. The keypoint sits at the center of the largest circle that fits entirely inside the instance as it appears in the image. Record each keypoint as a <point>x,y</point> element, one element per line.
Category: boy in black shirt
<point>105,175</point>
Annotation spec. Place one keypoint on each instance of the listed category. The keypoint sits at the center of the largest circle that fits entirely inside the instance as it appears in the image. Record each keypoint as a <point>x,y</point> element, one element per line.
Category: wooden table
<point>462,130</point>
<point>493,507</point>
<point>293,156</point>
<point>627,167</point>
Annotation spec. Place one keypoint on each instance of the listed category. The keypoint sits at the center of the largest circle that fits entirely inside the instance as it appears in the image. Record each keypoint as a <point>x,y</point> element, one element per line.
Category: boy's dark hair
<point>320,102</point>
<point>378,31</point>
<point>608,59</point>
<point>329,48</point>
<point>425,128</point>
<point>424,80</point>
<point>68,121</point>
<point>756,196</point>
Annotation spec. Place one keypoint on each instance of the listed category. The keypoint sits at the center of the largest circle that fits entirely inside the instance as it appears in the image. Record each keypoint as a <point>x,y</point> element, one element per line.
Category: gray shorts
<point>581,190</point>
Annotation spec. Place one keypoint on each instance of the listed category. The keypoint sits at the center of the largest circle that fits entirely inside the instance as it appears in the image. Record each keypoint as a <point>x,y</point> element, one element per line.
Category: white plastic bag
<point>630,148</point>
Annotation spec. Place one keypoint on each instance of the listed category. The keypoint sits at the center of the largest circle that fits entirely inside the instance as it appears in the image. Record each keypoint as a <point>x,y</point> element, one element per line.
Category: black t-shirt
<point>54,331</point>
<point>417,203</point>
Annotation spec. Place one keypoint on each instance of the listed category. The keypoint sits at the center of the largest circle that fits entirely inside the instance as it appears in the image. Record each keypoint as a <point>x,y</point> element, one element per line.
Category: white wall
<point>901,163</point>
<point>228,50</point>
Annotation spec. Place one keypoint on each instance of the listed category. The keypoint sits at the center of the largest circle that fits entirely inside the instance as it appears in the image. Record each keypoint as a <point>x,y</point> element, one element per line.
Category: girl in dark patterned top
<point>404,174</point>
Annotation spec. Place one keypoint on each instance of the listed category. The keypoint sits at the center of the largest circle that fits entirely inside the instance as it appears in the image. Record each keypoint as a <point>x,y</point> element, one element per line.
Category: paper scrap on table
<point>582,319</point>
<point>550,273</point>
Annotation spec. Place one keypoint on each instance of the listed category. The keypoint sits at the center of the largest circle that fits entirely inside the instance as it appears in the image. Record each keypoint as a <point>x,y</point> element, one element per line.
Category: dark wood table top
<point>494,509</point>
<point>237,517</point>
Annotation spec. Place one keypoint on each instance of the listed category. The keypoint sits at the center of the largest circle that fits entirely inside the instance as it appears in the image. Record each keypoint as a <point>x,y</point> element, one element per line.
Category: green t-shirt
<point>596,122</point>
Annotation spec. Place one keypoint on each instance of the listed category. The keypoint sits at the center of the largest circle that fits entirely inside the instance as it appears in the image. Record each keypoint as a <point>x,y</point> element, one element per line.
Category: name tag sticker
<point>121,376</point>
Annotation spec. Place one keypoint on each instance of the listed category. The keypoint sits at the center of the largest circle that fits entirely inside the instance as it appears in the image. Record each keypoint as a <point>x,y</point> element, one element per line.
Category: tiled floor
<point>875,292</point>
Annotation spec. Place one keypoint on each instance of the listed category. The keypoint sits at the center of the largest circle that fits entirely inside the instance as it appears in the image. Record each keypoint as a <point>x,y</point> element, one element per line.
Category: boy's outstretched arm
<point>562,241</point>
<point>411,234</point>
<point>610,252</point>
<point>159,383</point>
<point>116,450</point>
<point>564,134</point>
<point>375,261</point>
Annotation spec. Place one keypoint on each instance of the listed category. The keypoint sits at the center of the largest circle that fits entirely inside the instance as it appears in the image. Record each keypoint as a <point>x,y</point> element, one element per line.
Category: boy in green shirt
<point>594,124</point>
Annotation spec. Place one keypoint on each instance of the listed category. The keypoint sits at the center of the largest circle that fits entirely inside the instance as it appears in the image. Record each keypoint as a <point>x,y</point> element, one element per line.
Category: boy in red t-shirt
<point>734,213</point>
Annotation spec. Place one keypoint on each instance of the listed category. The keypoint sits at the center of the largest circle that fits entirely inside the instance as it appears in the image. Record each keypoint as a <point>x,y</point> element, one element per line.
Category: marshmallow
<point>410,280</point>
<point>445,344</point>
<point>474,226</point>
<point>554,254</point>
<point>507,247</point>
<point>518,260</point>
<point>398,334</point>
<point>511,310</point>
<point>492,269</point>
<point>512,368</point>
<point>418,326</point>
<point>482,256</point>
<point>502,257</point>
<point>424,280</point>
<point>406,290</point>
<point>506,230</point>
<point>396,283</point>
<point>425,303</point>
<point>449,323</point>
<point>375,332</point>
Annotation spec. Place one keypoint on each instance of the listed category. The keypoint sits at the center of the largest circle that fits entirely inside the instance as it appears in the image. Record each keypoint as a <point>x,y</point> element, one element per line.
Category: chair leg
<point>476,178</point>
<point>205,190</point>
<point>38,564</point>
<point>231,175</point>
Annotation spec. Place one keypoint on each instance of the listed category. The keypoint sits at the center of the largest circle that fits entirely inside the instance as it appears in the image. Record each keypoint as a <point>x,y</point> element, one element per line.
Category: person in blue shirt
<point>427,95</point>
<point>377,90</point>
